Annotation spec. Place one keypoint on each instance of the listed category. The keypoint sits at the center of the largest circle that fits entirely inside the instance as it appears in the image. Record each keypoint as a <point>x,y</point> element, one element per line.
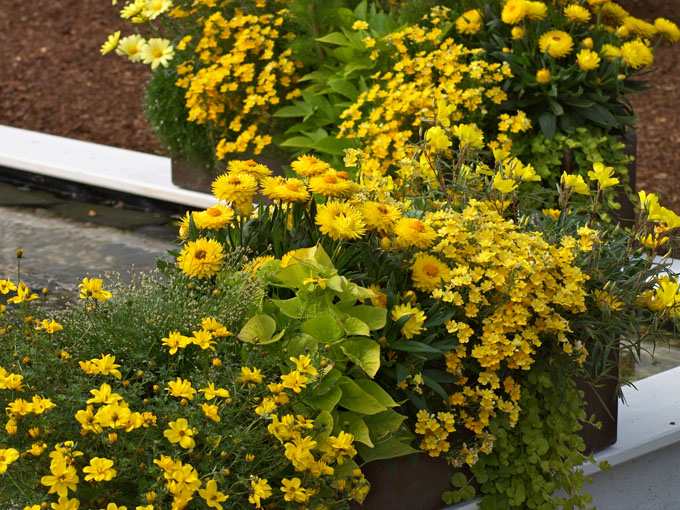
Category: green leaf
<point>388,449</point>
<point>350,422</point>
<point>260,329</point>
<point>298,141</point>
<point>324,328</point>
<point>386,422</point>
<point>293,307</point>
<point>301,344</point>
<point>467,493</point>
<point>327,401</point>
<point>345,88</point>
<point>323,425</point>
<point>357,399</point>
<point>364,352</point>
<point>332,145</point>
<point>335,38</point>
<point>294,110</point>
<point>374,317</point>
<point>354,326</point>
<point>555,107</point>
<point>376,391</point>
<point>599,114</point>
<point>414,346</point>
<point>458,480</point>
<point>548,123</point>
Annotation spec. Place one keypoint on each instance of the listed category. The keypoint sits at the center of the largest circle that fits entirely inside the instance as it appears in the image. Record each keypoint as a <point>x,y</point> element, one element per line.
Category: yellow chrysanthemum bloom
<point>470,22</point>
<point>414,325</point>
<point>380,217</point>
<point>588,59</point>
<point>428,272</point>
<point>201,258</point>
<point>557,43</point>
<point>639,27</point>
<point>667,29</point>
<point>412,232</point>
<point>613,13</point>
<point>286,190</point>
<point>216,217</point>
<point>340,220</point>
<point>234,187</point>
<point>576,13</point>
<point>536,10</point>
<point>636,54</point>
<point>249,167</point>
<point>543,76</point>
<point>309,166</point>
<point>610,52</point>
<point>333,184</point>
<point>514,11</point>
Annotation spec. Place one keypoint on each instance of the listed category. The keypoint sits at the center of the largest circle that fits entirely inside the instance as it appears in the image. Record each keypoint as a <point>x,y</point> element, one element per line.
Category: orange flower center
<point>430,270</point>
<point>200,254</point>
<point>330,179</point>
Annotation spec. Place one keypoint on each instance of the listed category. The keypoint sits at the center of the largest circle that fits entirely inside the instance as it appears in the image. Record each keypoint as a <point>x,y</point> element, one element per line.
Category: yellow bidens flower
<point>93,289</point>
<point>212,496</point>
<point>99,470</point>
<point>201,258</point>
<point>180,432</point>
<point>260,490</point>
<point>63,477</point>
<point>250,376</point>
<point>49,326</point>
<point>470,22</point>
<point>588,59</point>
<point>557,43</point>
<point>181,388</point>
<point>7,456</point>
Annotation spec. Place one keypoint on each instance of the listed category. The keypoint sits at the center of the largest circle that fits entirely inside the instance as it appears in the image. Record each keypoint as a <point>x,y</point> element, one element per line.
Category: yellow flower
<point>518,32</point>
<point>286,190</point>
<point>50,326</point>
<point>636,54</point>
<point>605,301</point>
<point>293,492</point>
<point>428,272</point>
<point>588,59</point>
<point>110,43</point>
<point>557,43</point>
<point>7,456</point>
<point>332,183</point>
<point>437,139</point>
<point>340,220</point>
<point>303,363</point>
<point>503,185</point>
<point>603,175</point>
<point>106,365</point>
<point>211,411</point>
<point>7,286</point>
<point>514,11</point>
<point>639,27</point>
<point>234,187</point>
<point>250,167</point>
<point>180,432</point>
<point>64,503</point>
<point>132,46</point>
<point>175,340</point>
<point>309,166</point>
<point>201,258</point>
<point>380,217</point>
<point>667,29</point>
<point>99,470</point>
<point>260,490</point>
<point>470,22</point>
<point>215,217</point>
<point>250,376</point>
<point>360,25</point>
<point>181,388</point>
<point>24,294</point>
<point>469,135</point>
<point>157,51</point>
<point>414,232</point>
<point>536,10</point>
<point>576,183</point>
<point>62,479</point>
<point>211,392</point>
<point>543,76</point>
<point>610,52</point>
<point>104,395</point>
<point>295,381</point>
<point>93,289</point>
<point>212,496</point>
<point>203,339</point>
<point>414,325</point>
<point>576,13</point>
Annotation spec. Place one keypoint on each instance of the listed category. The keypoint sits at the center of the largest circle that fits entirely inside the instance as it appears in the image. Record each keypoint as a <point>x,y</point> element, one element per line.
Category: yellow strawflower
<point>543,76</point>
<point>557,43</point>
<point>588,59</point>
<point>470,22</point>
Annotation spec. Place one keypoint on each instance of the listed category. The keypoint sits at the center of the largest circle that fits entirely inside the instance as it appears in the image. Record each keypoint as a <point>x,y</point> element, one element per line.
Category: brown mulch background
<point>53,80</point>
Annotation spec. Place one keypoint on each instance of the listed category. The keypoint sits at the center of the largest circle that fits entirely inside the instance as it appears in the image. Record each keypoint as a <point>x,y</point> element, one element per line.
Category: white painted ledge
<point>98,165</point>
<point>649,424</point>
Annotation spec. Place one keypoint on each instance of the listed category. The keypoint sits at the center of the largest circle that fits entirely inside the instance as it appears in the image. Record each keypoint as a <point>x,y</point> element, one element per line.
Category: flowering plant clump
<point>149,397</point>
<point>574,62</point>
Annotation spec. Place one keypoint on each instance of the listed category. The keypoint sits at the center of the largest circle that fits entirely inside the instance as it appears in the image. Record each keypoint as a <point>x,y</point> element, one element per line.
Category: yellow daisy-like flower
<point>180,432</point>
<point>157,51</point>
<point>470,22</point>
<point>667,29</point>
<point>588,59</point>
<point>412,232</point>
<point>154,8</point>
<point>111,43</point>
<point>414,325</point>
<point>250,375</point>
<point>260,490</point>
<point>93,288</point>
<point>216,217</point>
<point>340,220</point>
<point>557,43</point>
<point>428,272</point>
<point>514,11</point>
<point>212,496</point>
<point>234,187</point>
<point>181,388</point>
<point>639,27</point>
<point>437,139</point>
<point>536,10</point>
<point>613,13</point>
<point>286,190</point>
<point>333,184</point>
<point>7,456</point>
<point>201,258</point>
<point>469,135</point>
<point>132,46</point>
<point>577,14</point>
<point>576,183</point>
<point>309,166</point>
<point>249,167</point>
<point>99,470</point>
<point>610,52</point>
<point>518,32</point>
<point>636,54</point>
<point>380,217</point>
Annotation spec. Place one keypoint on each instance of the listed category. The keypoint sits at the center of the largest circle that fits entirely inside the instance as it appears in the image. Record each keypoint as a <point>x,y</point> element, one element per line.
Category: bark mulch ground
<point>53,80</point>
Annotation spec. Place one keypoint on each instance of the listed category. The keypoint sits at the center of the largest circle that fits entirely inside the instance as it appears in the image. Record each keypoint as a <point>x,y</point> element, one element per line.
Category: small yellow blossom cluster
<point>431,77</point>
<point>20,408</point>
<point>203,338</point>
<point>23,293</point>
<point>236,75</point>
